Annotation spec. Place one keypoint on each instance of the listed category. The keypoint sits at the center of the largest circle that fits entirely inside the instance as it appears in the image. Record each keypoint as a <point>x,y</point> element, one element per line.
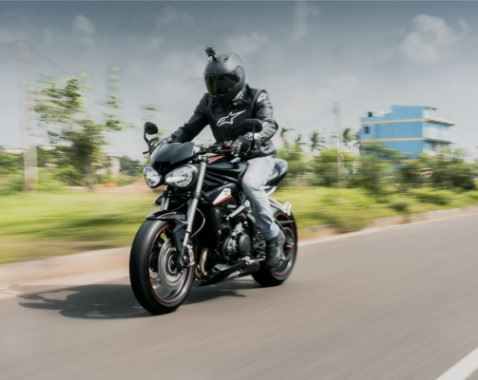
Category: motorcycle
<point>204,231</point>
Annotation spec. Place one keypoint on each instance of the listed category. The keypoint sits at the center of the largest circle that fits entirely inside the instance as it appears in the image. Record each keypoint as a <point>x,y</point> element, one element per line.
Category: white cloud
<point>431,40</point>
<point>83,25</point>
<point>303,14</point>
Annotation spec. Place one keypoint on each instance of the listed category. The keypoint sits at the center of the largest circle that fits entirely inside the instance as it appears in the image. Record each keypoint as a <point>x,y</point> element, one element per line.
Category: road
<point>400,303</point>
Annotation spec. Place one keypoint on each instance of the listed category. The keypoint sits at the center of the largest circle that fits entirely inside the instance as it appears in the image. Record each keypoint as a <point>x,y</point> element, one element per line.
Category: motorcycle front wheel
<point>159,284</point>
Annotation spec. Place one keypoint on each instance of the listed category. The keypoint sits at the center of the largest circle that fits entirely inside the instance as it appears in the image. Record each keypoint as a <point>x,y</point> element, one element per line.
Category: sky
<point>366,56</point>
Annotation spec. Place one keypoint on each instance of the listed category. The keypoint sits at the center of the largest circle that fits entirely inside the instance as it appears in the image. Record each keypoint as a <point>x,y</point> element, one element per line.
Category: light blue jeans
<point>258,171</point>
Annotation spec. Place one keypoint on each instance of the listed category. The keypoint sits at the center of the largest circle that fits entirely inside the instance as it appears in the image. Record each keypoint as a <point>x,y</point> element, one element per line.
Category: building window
<point>366,129</point>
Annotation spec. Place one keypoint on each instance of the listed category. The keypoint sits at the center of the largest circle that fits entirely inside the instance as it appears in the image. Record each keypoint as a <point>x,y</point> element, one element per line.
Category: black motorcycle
<point>204,231</point>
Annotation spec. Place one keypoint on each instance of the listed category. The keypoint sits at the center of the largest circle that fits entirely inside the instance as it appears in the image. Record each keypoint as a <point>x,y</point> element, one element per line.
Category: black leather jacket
<point>225,121</point>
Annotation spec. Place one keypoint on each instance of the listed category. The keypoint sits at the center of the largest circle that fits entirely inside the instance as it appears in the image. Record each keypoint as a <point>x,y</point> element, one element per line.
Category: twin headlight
<point>181,177</point>
<point>152,177</point>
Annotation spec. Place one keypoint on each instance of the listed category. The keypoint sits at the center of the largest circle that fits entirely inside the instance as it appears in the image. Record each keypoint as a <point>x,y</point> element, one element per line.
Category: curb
<point>108,264</point>
<point>58,269</point>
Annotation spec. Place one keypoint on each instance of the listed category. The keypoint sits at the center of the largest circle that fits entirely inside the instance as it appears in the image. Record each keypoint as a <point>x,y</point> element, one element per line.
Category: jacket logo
<point>229,119</point>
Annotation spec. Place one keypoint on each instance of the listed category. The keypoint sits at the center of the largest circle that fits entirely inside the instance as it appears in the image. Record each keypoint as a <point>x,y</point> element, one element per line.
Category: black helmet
<point>224,75</point>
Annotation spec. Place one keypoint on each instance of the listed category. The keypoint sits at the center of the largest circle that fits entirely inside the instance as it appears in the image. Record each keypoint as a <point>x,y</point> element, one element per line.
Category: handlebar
<point>224,147</point>
<point>217,148</point>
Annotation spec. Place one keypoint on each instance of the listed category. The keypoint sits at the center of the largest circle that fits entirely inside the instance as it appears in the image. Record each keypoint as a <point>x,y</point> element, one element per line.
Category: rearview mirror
<point>150,128</point>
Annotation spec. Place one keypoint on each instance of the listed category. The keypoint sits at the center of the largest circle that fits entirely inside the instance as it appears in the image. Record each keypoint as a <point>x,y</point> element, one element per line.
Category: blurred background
<point>374,102</point>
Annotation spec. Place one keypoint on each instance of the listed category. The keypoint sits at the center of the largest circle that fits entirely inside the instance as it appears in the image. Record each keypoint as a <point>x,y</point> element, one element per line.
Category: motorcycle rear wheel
<point>157,282</point>
<point>273,277</point>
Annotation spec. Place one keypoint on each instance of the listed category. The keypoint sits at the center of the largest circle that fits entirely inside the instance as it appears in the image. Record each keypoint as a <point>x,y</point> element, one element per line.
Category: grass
<point>353,209</point>
<point>34,225</point>
<point>43,224</point>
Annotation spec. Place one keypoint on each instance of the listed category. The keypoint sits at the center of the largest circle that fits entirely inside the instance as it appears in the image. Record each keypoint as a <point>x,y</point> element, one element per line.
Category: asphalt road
<point>401,303</point>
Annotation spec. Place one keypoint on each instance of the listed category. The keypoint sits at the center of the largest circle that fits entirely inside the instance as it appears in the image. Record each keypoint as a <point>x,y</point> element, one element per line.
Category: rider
<point>231,108</point>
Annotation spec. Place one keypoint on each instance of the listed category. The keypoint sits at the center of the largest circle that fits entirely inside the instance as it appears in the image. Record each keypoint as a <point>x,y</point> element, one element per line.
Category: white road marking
<point>463,369</point>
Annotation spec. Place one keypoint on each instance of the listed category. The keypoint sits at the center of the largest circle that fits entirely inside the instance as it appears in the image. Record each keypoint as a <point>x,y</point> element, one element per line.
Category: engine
<point>238,243</point>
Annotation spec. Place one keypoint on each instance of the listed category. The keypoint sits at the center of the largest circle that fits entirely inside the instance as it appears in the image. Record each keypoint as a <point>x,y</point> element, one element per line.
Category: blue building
<point>411,130</point>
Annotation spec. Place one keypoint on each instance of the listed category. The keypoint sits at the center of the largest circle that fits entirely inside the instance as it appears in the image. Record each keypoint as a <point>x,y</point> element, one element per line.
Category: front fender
<point>178,219</point>
<point>166,215</point>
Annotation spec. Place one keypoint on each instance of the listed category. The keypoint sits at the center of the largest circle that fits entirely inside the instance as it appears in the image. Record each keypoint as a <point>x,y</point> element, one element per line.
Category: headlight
<point>181,177</point>
<point>152,177</point>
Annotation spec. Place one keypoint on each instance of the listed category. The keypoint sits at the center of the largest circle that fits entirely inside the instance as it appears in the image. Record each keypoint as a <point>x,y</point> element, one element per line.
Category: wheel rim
<point>168,282</point>
<point>290,248</point>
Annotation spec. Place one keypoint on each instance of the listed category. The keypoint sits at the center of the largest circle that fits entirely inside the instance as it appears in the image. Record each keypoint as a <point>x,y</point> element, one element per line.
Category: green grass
<point>34,225</point>
<point>43,224</point>
<point>353,209</point>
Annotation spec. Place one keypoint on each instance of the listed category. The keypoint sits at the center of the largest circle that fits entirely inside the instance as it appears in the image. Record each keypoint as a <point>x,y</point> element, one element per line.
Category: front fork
<point>186,256</point>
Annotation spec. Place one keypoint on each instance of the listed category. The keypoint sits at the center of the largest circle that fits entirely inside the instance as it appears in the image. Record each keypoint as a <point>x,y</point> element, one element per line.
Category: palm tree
<point>283,132</point>
<point>317,141</point>
<point>350,138</point>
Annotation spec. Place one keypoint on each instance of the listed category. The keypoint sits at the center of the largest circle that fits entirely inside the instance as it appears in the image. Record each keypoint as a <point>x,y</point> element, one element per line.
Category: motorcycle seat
<point>280,171</point>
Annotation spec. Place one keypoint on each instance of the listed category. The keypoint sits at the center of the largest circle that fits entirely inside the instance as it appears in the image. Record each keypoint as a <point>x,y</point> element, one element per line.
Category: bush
<point>294,156</point>
<point>48,181</point>
<point>432,196</point>
<point>410,173</point>
<point>462,175</point>
<point>10,163</point>
<point>451,172</point>
<point>68,175</point>
<point>11,183</point>
<point>401,205</point>
<point>325,167</point>
<point>371,174</point>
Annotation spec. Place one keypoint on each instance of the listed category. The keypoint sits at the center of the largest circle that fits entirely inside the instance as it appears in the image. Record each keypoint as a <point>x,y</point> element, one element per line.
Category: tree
<point>298,140</point>
<point>283,133</point>
<point>130,166</point>
<point>113,104</point>
<point>317,142</point>
<point>451,171</point>
<point>324,167</point>
<point>294,156</point>
<point>62,108</point>
<point>349,137</point>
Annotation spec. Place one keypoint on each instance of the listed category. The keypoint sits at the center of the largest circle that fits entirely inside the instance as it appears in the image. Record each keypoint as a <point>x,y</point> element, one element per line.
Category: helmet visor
<point>221,84</point>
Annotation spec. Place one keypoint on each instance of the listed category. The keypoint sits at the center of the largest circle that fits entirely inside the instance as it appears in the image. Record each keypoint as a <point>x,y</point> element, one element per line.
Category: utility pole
<point>338,136</point>
<point>26,116</point>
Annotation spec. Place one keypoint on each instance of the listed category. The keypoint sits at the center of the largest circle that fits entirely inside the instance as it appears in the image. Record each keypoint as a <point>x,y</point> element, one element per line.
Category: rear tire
<point>273,277</point>
<point>157,284</point>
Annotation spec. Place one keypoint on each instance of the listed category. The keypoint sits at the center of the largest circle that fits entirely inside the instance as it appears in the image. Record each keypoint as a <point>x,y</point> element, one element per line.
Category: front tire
<point>158,284</point>
<point>274,277</point>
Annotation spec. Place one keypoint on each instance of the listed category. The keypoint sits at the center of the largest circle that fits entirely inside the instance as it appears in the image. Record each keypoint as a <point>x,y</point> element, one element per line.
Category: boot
<point>275,251</point>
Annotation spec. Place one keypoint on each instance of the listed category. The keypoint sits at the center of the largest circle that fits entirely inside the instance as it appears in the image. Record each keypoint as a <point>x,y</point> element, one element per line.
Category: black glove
<point>241,145</point>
